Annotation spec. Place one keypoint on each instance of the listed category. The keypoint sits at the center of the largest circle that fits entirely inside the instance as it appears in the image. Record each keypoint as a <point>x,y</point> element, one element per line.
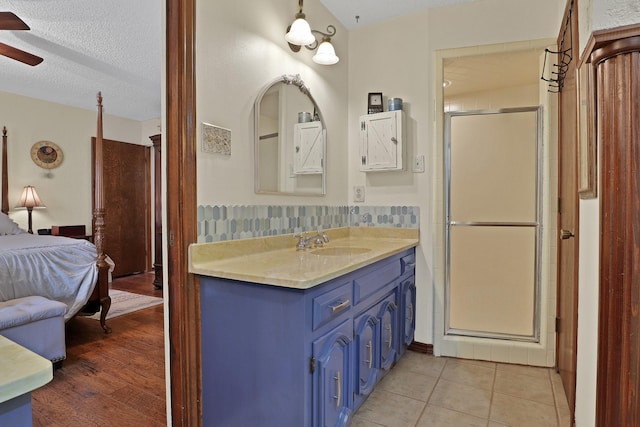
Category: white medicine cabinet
<point>309,148</point>
<point>381,145</point>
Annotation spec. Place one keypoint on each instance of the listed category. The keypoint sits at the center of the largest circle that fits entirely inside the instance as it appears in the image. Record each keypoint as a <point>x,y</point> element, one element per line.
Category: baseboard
<point>419,347</point>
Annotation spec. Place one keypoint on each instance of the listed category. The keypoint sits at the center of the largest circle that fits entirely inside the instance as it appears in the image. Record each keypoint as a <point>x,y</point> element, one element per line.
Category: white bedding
<point>58,268</point>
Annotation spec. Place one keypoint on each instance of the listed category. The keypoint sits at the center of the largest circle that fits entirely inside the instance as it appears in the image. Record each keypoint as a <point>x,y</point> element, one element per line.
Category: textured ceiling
<point>114,47</point>
<point>88,46</point>
<point>371,11</point>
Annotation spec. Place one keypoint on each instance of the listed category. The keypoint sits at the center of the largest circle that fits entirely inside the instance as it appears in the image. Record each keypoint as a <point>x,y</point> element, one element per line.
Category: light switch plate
<point>358,193</point>
<point>418,164</point>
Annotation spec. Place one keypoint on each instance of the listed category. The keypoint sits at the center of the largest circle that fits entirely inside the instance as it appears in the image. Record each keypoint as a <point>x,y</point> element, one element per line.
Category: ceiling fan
<point>9,21</point>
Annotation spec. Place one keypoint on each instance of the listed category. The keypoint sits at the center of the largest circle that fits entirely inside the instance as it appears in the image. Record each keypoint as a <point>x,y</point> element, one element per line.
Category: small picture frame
<point>215,139</point>
<point>374,103</point>
<point>587,146</point>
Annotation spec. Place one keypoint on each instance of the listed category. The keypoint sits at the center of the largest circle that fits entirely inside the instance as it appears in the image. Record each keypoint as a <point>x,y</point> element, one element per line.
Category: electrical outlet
<point>358,193</point>
<point>418,164</point>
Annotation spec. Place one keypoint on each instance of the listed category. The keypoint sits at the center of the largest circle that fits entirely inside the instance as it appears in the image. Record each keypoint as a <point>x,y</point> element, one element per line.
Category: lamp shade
<point>29,198</point>
<point>300,32</point>
<point>326,54</point>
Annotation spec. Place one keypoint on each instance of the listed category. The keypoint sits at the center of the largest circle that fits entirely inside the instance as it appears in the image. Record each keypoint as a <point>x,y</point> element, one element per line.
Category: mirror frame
<point>295,80</point>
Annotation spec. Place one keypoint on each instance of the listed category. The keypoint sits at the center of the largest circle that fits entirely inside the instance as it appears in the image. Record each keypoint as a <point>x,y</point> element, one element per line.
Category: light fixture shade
<point>326,54</point>
<point>29,198</point>
<point>300,33</point>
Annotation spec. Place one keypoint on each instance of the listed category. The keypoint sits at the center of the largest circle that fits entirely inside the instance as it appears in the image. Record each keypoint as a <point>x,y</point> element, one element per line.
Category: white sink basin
<point>339,251</point>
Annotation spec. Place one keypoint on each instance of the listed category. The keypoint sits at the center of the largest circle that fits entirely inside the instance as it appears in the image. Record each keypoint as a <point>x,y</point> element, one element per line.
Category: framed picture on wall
<point>374,103</point>
<point>586,130</point>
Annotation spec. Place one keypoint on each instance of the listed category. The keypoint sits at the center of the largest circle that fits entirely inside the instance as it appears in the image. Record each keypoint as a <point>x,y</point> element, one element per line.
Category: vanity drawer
<point>332,304</point>
<point>408,262</point>
<point>368,284</point>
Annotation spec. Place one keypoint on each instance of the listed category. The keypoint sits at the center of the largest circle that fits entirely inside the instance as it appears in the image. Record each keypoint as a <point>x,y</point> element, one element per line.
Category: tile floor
<point>423,390</point>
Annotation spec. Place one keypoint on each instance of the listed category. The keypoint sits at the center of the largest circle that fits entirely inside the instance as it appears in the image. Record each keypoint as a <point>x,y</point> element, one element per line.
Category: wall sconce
<point>300,34</point>
<point>30,200</point>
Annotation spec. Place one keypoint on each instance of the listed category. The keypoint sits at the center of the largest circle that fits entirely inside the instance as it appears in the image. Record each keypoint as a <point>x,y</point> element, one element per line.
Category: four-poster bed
<point>72,271</point>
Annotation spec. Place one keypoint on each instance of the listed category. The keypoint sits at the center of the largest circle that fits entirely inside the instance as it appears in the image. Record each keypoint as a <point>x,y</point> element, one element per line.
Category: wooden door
<point>127,206</point>
<point>567,299</point>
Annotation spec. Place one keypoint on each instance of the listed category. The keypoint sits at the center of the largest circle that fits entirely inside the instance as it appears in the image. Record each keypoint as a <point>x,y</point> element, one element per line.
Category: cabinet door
<point>407,304</point>
<point>332,391</point>
<point>308,148</point>
<point>367,348</point>
<point>388,332</point>
<point>381,141</point>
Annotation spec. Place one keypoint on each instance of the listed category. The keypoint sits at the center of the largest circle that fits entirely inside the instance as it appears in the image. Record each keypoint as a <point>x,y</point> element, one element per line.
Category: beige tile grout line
<point>493,391</point>
<point>424,408</point>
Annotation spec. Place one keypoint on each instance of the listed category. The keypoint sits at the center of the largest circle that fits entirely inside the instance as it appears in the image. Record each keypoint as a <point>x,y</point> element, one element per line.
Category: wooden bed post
<point>5,173</point>
<point>98,223</point>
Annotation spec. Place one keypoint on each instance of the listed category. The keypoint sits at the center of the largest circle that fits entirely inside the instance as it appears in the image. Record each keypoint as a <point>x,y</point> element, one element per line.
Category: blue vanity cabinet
<point>407,300</point>
<point>332,382</point>
<point>367,341</point>
<point>408,303</point>
<point>280,356</point>
<point>376,337</point>
<point>388,316</point>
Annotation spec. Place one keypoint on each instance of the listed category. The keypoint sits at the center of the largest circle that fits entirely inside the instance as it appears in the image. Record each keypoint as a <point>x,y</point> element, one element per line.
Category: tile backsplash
<point>221,222</point>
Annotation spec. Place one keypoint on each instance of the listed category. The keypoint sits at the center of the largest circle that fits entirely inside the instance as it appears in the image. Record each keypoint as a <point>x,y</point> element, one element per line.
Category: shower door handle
<point>566,234</point>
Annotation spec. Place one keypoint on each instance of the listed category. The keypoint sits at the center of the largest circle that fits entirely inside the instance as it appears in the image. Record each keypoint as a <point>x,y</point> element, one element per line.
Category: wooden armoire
<point>613,56</point>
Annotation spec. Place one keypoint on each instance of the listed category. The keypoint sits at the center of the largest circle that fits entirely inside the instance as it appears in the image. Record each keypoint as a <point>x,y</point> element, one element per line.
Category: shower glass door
<point>493,228</point>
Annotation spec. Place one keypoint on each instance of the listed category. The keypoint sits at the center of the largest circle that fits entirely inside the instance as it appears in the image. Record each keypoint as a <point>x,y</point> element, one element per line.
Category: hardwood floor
<point>115,379</point>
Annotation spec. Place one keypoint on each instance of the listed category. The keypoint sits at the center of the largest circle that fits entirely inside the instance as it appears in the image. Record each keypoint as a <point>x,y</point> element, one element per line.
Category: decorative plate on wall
<point>46,154</point>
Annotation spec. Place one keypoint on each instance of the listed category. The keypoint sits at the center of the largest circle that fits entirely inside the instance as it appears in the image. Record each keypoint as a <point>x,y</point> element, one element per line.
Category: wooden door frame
<point>180,137</point>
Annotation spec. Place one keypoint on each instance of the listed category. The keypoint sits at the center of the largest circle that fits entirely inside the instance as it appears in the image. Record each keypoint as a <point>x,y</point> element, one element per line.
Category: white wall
<point>613,13</point>
<point>240,49</point>
<point>397,57</point>
<point>65,190</point>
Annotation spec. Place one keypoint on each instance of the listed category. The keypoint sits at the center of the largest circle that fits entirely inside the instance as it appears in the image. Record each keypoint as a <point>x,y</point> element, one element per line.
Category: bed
<point>58,268</point>
<point>72,271</point>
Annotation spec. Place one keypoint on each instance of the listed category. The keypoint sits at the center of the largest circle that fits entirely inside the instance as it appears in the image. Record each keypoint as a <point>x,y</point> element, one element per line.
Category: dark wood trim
<point>618,90</point>
<point>180,144</point>
<point>157,210</point>
<point>603,37</point>
<point>5,173</point>
<point>419,347</point>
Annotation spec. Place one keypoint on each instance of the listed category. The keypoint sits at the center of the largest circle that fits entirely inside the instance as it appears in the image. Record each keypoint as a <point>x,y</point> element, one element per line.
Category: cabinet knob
<point>394,140</point>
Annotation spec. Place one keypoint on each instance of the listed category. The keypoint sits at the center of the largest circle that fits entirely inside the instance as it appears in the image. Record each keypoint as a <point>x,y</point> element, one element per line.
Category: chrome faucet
<point>318,240</point>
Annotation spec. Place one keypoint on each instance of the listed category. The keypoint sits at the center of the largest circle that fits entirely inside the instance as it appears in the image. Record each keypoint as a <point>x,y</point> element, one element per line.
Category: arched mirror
<point>290,140</point>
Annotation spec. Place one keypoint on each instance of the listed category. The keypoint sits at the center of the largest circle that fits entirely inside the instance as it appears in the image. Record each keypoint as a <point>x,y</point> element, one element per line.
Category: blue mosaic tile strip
<point>219,223</point>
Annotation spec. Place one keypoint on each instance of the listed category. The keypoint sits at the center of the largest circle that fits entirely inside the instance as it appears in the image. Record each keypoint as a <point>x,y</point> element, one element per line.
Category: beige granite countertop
<point>275,260</point>
<point>21,370</point>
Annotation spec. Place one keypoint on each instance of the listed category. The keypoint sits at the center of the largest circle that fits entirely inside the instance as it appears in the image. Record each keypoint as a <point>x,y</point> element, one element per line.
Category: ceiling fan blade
<point>9,21</point>
<point>19,55</point>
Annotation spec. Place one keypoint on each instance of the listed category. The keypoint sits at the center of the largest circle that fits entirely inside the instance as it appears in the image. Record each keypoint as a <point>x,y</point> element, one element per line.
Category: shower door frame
<point>537,224</point>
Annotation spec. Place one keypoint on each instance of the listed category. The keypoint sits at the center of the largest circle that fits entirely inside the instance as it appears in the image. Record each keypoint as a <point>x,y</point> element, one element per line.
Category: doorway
<point>494,78</point>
